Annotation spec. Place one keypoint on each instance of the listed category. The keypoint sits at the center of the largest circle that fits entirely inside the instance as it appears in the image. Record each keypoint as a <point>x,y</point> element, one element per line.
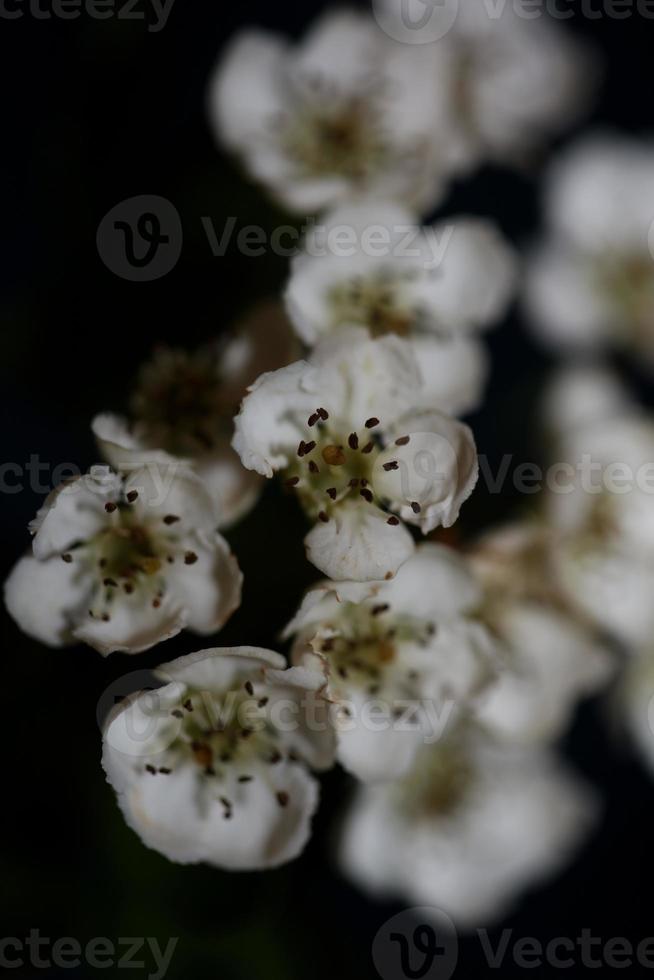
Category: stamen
<point>332,492</point>
<point>132,496</point>
<point>415,507</point>
<point>393,465</point>
<point>67,558</point>
<point>249,688</point>
<point>312,467</point>
<point>371,423</point>
<point>293,482</point>
<point>151,770</point>
<point>323,517</point>
<point>381,608</point>
<point>402,441</point>
<point>156,603</point>
<point>188,704</point>
<point>282,799</point>
<point>368,448</point>
<point>190,558</point>
<point>170,519</point>
<point>309,447</point>
<point>165,771</point>
<point>128,588</point>
<point>110,507</point>
<point>262,702</point>
<point>353,440</point>
<point>393,521</point>
<point>367,495</point>
<point>245,779</point>
<point>323,413</point>
<point>111,583</point>
<point>313,419</point>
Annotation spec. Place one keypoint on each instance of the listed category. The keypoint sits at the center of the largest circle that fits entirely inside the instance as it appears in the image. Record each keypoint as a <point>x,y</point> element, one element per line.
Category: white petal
<point>435,584</point>
<point>358,543</point>
<point>380,753</point>
<point>134,624</point>
<point>74,511</point>
<point>234,489</point>
<point>121,448</point>
<point>172,490</point>
<point>556,662</point>
<point>437,470</point>
<point>43,597</point>
<point>246,93</point>
<point>273,417</point>
<point>473,283</point>
<point>453,370</point>
<point>209,590</point>
<point>220,668</point>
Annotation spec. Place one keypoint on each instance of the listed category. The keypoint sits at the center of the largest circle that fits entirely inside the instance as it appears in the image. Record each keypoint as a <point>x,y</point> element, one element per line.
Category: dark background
<point>94,112</point>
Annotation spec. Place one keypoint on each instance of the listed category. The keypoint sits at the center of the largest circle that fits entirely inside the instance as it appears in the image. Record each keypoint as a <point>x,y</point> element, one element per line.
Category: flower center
<point>365,648</point>
<point>330,468</point>
<point>375,302</point>
<point>230,741</point>
<point>178,404</point>
<point>332,133</point>
<point>439,783</point>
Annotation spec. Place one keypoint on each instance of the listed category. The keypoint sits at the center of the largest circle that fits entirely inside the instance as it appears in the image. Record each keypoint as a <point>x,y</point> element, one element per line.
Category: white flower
<point>213,766</point>
<point>344,111</point>
<point>591,283</point>
<point>434,286</point>
<point>124,563</point>
<point>341,431</point>
<point>400,658</point>
<point>467,830</point>
<point>184,404</point>
<point>582,393</point>
<point>513,81</point>
<point>551,658</point>
<point>604,556</point>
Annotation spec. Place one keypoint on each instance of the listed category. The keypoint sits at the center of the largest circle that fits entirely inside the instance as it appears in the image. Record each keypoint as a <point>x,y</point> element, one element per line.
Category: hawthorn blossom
<point>346,110</point>
<point>591,281</point>
<point>604,555</point>
<point>436,287</point>
<point>213,766</point>
<point>342,432</point>
<point>551,657</point>
<point>122,563</point>
<point>183,408</point>
<point>512,82</point>
<point>469,828</point>
<point>400,657</point>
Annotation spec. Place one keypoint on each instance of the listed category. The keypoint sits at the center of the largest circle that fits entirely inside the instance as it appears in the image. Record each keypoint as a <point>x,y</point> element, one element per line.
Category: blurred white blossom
<point>591,281</point>
<point>435,286</point>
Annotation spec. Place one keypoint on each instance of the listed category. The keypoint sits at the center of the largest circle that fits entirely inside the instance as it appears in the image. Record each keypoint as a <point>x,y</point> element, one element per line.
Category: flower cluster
<point>440,678</point>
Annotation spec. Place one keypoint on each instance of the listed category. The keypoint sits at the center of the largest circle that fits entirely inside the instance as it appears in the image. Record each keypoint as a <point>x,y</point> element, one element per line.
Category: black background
<point>94,112</point>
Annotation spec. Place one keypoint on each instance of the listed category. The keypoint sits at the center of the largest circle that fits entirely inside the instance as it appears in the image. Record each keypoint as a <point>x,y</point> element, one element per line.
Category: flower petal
<point>358,544</point>
<point>74,511</point>
<point>43,596</point>
<point>134,625</point>
<point>209,590</point>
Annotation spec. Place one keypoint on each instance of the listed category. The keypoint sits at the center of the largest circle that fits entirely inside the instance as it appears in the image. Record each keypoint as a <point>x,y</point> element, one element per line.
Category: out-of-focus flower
<point>636,697</point>
<point>124,563</point>
<point>513,81</point>
<point>342,431</point>
<point>398,657</point>
<point>591,283</point>
<point>184,404</point>
<point>470,827</point>
<point>604,555</point>
<point>214,765</point>
<point>434,286</point>
<point>347,110</point>
<point>582,393</point>
<point>551,657</point>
